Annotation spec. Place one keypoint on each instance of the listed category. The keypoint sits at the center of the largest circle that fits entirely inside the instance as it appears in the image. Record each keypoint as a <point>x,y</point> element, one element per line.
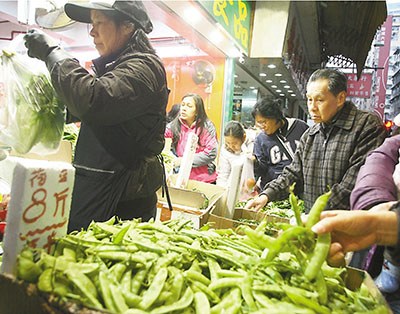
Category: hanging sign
<point>234,17</point>
<point>359,88</point>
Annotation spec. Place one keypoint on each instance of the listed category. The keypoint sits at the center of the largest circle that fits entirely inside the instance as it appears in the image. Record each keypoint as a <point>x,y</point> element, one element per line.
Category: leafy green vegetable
<point>36,116</point>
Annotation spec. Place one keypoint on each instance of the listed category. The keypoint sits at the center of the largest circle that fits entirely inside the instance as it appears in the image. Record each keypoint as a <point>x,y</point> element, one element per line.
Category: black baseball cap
<point>135,10</point>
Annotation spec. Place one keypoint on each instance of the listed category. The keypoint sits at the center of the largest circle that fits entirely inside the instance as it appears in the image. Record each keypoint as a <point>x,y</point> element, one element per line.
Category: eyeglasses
<point>263,123</point>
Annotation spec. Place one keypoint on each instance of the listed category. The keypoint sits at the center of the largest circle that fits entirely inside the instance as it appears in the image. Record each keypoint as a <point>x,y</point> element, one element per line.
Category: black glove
<point>39,44</point>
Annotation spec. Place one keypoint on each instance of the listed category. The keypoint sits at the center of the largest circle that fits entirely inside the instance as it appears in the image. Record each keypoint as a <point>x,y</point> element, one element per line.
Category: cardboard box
<point>355,277</point>
<point>217,220</point>
<point>194,203</point>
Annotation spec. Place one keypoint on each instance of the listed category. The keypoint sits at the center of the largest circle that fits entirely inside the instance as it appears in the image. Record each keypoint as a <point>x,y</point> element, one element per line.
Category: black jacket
<point>124,105</point>
<point>122,110</point>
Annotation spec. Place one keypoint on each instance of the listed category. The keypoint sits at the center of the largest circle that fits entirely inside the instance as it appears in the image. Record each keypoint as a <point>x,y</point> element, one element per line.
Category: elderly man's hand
<point>39,44</point>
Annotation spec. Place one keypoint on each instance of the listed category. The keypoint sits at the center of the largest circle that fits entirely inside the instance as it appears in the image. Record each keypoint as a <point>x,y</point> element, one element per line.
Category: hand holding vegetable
<point>39,44</point>
<point>356,230</point>
<point>257,203</point>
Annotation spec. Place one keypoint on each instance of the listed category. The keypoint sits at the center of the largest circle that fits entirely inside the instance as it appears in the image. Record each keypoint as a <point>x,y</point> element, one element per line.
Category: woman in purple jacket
<point>376,185</point>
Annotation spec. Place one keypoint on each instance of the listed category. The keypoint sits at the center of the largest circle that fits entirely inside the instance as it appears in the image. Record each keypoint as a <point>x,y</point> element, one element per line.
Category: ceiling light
<point>251,87</point>
<point>216,37</point>
<point>286,86</point>
<point>263,74</point>
<point>293,95</point>
<point>191,15</point>
<point>268,81</point>
<point>278,74</point>
<point>234,52</point>
<point>281,94</point>
<point>290,91</point>
<point>282,81</point>
<point>274,86</point>
<point>235,76</point>
<point>278,90</point>
<point>271,66</point>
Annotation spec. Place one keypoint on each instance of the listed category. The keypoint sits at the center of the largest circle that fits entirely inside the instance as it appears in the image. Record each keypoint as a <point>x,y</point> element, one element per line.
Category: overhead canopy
<point>347,29</point>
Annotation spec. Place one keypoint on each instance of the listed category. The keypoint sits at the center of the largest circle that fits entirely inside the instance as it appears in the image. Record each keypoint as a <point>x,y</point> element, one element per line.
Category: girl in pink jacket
<point>193,118</point>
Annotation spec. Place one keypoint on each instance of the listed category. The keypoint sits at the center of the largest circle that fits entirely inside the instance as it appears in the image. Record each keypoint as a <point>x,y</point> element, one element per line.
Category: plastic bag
<point>31,116</point>
<point>247,187</point>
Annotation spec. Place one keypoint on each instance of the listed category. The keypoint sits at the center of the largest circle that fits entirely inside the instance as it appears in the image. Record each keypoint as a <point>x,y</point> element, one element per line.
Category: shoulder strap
<point>282,146</point>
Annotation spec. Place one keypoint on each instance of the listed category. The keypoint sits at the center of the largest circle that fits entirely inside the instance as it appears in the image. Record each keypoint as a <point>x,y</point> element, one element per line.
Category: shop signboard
<point>234,17</point>
<point>359,88</point>
<point>384,37</point>
<point>38,211</point>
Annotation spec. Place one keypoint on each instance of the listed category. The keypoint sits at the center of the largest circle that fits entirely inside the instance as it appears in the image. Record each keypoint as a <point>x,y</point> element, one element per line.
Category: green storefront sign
<point>234,17</point>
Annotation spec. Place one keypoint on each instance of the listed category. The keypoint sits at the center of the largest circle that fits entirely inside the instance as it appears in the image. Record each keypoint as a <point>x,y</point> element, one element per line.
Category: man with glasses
<point>331,152</point>
<point>274,147</point>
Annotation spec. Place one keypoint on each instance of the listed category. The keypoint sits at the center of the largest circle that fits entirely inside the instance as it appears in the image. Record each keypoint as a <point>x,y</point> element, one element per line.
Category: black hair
<point>200,120</point>
<point>174,112</point>
<point>235,129</point>
<point>337,80</point>
<point>268,107</point>
<point>140,39</point>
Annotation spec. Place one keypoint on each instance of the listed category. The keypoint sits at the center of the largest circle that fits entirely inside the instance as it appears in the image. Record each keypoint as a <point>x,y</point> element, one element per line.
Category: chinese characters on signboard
<point>41,193</point>
<point>384,36</point>
<point>359,88</point>
<point>234,17</point>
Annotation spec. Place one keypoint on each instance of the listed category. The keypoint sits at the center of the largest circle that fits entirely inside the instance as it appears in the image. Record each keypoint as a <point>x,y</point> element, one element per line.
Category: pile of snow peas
<point>169,267</point>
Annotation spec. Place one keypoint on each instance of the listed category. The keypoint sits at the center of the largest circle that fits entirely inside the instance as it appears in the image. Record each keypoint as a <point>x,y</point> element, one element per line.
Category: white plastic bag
<point>32,117</point>
<point>247,187</point>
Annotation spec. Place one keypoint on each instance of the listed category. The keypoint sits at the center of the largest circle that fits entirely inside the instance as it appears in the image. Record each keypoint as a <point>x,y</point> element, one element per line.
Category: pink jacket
<point>203,168</point>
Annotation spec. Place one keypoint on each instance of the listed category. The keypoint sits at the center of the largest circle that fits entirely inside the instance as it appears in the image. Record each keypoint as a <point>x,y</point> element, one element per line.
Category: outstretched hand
<point>39,44</point>
<point>356,230</point>
<point>257,203</point>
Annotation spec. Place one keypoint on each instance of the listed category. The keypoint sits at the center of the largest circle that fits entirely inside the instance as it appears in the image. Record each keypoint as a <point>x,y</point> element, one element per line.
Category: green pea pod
<point>213,267</point>
<point>118,299</point>
<point>201,303</point>
<point>285,237</point>
<point>295,205</point>
<point>126,280</point>
<point>233,296</point>
<point>322,288</point>
<point>117,239</point>
<point>246,289</point>
<point>302,300</point>
<point>85,286</point>
<point>212,296</point>
<point>176,288</point>
<point>183,303</point>
<point>132,300</point>
<point>69,254</point>
<point>259,238</point>
<point>106,292</point>
<point>225,283</point>
<point>197,276</point>
<point>27,269</point>
<point>317,208</point>
<point>138,279</point>
<point>319,255</point>
<point>45,281</point>
<point>117,270</point>
<point>151,294</point>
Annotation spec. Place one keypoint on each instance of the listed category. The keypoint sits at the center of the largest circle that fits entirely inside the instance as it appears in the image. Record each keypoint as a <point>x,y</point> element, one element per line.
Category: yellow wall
<point>188,75</point>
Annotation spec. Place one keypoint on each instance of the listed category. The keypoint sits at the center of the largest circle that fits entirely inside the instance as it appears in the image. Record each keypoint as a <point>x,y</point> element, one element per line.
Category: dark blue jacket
<point>270,158</point>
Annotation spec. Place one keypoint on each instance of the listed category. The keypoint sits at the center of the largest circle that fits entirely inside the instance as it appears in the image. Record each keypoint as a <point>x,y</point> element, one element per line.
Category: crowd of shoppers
<point>330,152</point>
